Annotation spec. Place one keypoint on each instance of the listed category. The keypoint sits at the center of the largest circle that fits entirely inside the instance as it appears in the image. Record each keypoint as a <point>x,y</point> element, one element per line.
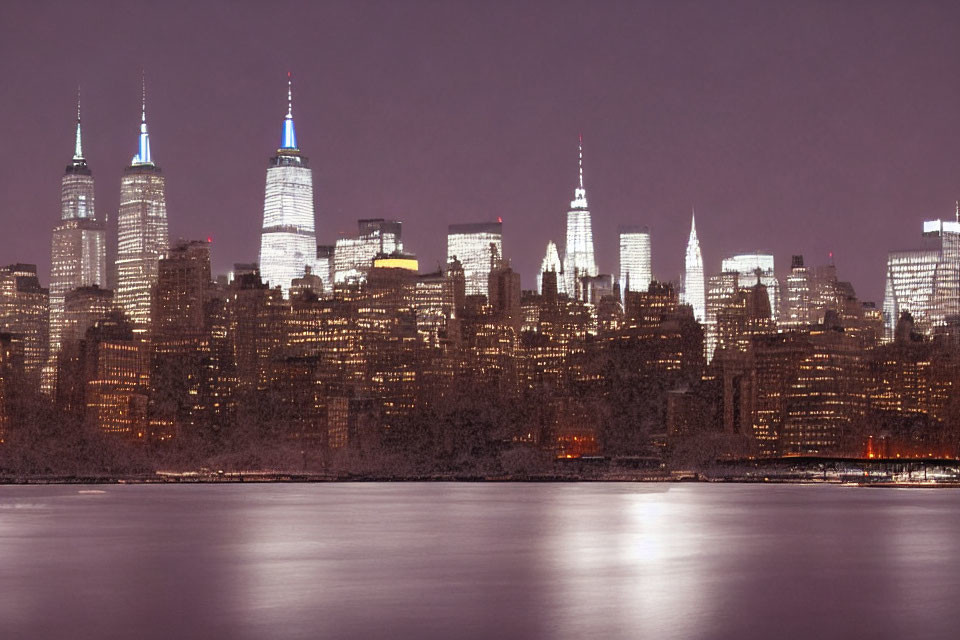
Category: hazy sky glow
<point>792,127</point>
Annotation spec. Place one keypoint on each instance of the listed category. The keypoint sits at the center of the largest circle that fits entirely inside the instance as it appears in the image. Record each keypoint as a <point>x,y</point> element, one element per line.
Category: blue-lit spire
<point>143,150</point>
<point>289,140</point>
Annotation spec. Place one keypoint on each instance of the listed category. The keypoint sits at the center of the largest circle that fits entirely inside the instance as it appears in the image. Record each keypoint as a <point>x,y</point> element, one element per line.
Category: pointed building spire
<point>579,194</point>
<point>143,147</point>
<point>289,139</point>
<point>289,95</point>
<point>957,214</point>
<point>581,159</point>
<point>78,147</point>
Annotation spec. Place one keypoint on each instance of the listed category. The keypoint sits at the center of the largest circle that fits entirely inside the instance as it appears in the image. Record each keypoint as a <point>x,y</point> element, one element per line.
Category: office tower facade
<point>551,262</point>
<point>578,258</point>
<point>24,313</point>
<point>435,306</point>
<point>753,268</point>
<point>113,377</point>
<point>809,292</point>
<point>694,285</point>
<point>798,307</point>
<point>477,246</point>
<point>635,269</point>
<point>720,290</point>
<point>179,297</point>
<point>323,266</point>
<point>288,243</point>
<point>79,248</point>
<point>141,231</point>
<point>82,307</point>
<point>353,257</point>
<point>925,282</point>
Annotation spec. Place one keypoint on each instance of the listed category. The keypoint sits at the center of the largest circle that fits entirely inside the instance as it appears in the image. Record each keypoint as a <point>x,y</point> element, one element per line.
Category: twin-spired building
<point>141,231</point>
<point>288,242</point>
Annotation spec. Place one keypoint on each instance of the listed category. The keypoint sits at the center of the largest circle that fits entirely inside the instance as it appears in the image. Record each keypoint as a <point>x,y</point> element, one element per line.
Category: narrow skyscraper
<point>78,251</point>
<point>288,243</point>
<point>141,230</point>
<point>635,270</point>
<point>578,259</point>
<point>693,284</point>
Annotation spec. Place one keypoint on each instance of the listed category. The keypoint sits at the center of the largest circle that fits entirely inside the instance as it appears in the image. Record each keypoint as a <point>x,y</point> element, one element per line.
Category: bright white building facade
<point>288,242</point>
<point>79,247</point>
<point>635,268</point>
<point>578,258</point>
<point>754,267</point>
<point>551,262</point>
<point>478,246</point>
<point>353,257</point>
<point>694,286</point>
<point>142,237</point>
<point>925,282</point>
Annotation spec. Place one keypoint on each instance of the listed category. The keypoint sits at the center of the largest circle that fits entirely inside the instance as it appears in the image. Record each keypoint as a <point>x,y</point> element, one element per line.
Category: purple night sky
<point>802,127</point>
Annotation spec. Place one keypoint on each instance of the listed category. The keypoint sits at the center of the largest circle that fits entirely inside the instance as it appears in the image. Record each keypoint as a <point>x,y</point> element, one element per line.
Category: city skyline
<point>788,206</point>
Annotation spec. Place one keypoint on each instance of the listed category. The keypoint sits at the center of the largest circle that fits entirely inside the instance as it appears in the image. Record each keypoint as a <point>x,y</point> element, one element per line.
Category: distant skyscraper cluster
<point>348,347</point>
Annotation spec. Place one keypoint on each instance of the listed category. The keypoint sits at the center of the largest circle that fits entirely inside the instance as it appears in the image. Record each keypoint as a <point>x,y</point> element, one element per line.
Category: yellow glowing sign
<point>410,264</point>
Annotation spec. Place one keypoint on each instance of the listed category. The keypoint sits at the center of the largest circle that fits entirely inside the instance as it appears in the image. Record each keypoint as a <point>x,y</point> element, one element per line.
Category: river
<point>475,560</point>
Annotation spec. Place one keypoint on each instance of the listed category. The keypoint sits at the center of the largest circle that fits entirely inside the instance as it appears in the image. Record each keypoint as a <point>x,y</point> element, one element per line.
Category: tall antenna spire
<point>579,194</point>
<point>289,139</point>
<point>958,211</point>
<point>581,159</point>
<point>289,94</point>
<point>78,148</point>
<point>143,146</point>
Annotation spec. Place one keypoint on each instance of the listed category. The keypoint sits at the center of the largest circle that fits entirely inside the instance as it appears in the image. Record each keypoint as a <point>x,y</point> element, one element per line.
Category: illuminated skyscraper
<point>25,312</point>
<point>721,289</point>
<point>753,268</point>
<point>578,259</point>
<point>78,250</point>
<point>476,246</point>
<point>694,289</point>
<point>925,282</point>
<point>141,231</point>
<point>551,262</point>
<point>635,271</point>
<point>353,257</point>
<point>288,243</point>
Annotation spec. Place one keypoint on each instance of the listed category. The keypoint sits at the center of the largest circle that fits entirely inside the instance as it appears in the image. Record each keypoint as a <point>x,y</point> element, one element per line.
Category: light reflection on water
<point>479,561</point>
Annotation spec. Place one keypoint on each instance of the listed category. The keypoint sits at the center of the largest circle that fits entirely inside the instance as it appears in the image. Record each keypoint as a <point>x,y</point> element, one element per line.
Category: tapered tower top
<point>288,142</point>
<point>78,164</point>
<point>143,156</point>
<point>78,147</point>
<point>580,194</point>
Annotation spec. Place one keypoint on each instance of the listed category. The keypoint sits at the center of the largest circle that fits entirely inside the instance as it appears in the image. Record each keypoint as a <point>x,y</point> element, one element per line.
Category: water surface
<point>466,561</point>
